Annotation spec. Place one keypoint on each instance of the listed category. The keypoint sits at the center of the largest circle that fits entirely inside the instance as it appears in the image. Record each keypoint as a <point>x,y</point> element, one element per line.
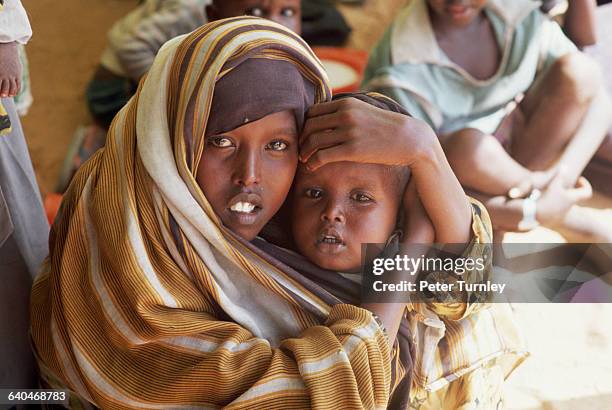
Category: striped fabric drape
<point>145,301</point>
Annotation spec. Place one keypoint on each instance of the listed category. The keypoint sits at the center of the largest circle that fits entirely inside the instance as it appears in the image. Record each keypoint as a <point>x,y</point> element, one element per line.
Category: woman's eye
<point>314,193</point>
<point>255,11</point>
<point>288,12</point>
<point>221,142</point>
<point>277,146</point>
<point>362,198</point>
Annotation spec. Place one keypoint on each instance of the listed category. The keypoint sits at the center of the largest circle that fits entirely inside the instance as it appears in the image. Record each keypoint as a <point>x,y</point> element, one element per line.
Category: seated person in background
<point>463,67</point>
<point>133,42</point>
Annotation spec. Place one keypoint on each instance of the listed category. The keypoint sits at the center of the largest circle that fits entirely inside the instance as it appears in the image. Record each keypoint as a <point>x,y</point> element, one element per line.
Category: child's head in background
<point>285,12</point>
<point>457,13</point>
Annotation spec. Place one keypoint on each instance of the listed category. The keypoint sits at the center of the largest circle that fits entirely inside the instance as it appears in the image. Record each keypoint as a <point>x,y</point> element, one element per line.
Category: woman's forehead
<point>280,123</point>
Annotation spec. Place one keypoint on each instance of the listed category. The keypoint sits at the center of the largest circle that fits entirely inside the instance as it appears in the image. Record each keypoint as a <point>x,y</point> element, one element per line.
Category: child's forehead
<point>348,174</point>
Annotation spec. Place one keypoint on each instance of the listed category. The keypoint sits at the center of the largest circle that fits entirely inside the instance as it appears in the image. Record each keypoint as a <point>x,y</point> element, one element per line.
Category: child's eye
<point>277,146</point>
<point>361,198</point>
<point>255,11</point>
<point>288,12</point>
<point>314,193</point>
<point>220,142</point>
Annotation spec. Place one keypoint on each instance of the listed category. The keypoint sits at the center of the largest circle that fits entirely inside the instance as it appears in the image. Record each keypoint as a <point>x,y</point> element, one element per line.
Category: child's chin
<point>331,263</point>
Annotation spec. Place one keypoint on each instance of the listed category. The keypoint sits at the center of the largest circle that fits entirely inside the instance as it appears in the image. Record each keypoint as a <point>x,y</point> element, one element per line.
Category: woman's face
<point>247,172</point>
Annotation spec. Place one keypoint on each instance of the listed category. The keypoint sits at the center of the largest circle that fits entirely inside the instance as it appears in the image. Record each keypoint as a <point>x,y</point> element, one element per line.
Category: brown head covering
<point>257,88</point>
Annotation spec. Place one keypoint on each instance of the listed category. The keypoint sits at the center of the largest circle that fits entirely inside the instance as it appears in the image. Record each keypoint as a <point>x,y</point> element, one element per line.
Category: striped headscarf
<point>146,301</point>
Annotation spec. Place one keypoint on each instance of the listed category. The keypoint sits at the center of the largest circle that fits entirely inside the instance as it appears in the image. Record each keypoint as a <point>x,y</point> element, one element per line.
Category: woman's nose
<point>247,168</point>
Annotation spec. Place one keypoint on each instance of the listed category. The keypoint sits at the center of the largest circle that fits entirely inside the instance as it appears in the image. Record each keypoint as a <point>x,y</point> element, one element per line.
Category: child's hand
<point>352,130</point>
<point>417,225</point>
<point>10,70</point>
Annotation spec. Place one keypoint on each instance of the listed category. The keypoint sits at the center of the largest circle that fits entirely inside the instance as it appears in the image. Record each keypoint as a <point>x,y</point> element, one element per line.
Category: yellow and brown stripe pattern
<point>145,301</point>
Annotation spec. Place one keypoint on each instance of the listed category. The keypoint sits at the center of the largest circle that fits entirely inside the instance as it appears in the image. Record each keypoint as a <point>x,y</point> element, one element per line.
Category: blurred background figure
<point>23,227</point>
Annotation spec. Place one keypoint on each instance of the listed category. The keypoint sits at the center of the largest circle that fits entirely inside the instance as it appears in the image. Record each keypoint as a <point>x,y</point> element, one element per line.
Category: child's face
<point>285,12</point>
<point>246,173</point>
<point>456,12</point>
<point>340,206</point>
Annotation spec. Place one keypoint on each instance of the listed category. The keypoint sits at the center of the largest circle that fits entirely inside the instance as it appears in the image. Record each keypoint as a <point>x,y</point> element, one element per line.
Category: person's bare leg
<point>567,116</point>
<point>605,149</point>
<point>481,163</point>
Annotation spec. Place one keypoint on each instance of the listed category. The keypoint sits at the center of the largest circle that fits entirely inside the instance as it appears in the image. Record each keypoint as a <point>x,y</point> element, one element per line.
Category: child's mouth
<point>330,241</point>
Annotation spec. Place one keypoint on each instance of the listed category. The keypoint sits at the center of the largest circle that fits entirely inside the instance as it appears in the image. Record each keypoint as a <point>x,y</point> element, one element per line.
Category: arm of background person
<point>580,22</point>
<point>591,132</point>
<point>137,37</point>
<point>588,137</point>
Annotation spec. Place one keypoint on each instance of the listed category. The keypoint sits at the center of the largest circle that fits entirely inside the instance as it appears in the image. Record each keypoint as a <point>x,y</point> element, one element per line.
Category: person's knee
<point>577,76</point>
<point>466,149</point>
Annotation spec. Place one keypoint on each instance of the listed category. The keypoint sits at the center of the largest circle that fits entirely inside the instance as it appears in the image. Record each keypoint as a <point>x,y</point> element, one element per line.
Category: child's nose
<point>333,212</point>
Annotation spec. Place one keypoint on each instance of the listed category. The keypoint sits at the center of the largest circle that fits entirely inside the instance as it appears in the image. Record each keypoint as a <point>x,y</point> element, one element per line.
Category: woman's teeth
<point>244,207</point>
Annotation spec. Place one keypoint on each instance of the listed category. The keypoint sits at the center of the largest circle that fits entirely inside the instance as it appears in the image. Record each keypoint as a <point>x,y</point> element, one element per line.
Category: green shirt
<point>409,66</point>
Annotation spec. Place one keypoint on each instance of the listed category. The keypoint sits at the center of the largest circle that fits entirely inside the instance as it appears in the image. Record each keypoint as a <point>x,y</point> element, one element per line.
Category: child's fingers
<point>582,191</point>
<point>521,190</point>
<point>4,87</point>
<point>12,87</point>
<point>17,85</point>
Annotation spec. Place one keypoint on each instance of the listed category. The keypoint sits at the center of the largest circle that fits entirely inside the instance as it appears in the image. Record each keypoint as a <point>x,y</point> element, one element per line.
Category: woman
<point>147,299</point>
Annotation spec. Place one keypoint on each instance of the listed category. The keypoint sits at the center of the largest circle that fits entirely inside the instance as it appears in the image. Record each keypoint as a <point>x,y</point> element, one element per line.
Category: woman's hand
<point>10,70</point>
<point>352,130</point>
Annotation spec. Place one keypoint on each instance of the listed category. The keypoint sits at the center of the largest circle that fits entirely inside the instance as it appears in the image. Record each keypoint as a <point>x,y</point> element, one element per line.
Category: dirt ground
<point>571,345</point>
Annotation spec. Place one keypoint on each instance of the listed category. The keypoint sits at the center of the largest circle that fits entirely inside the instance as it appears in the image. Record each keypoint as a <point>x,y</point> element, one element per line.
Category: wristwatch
<point>529,220</point>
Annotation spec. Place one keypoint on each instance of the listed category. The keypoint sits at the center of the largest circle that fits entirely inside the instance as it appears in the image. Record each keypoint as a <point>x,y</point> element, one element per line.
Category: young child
<point>340,206</point>
<point>462,66</point>
<point>133,42</point>
<point>343,205</point>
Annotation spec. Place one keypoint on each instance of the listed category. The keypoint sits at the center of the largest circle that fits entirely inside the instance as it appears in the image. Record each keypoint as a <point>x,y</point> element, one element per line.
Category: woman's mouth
<point>245,208</point>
